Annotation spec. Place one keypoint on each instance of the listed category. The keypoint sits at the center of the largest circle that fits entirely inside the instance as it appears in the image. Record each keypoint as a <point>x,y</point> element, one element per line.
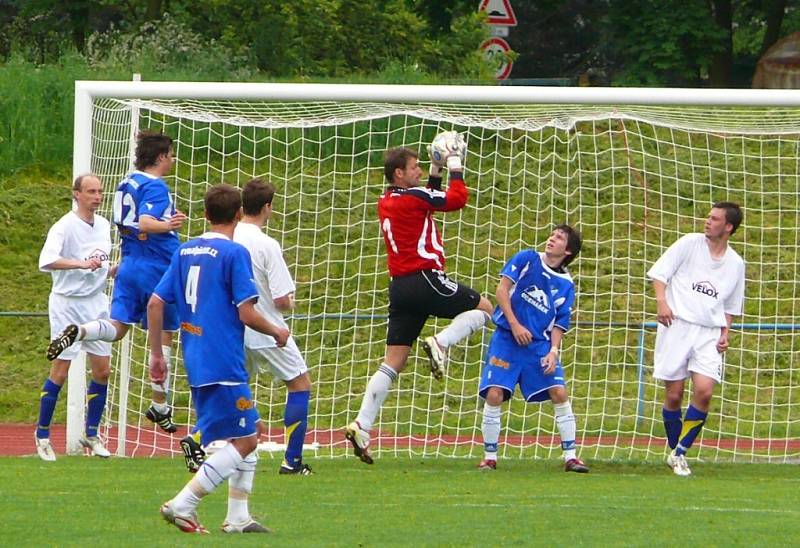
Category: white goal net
<point>632,177</point>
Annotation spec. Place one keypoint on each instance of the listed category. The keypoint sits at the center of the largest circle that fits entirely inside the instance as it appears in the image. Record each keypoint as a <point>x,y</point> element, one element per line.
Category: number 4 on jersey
<point>192,279</point>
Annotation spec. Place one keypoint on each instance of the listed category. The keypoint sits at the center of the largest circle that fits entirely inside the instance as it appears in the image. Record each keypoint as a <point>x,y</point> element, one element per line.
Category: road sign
<point>497,46</point>
<point>500,12</point>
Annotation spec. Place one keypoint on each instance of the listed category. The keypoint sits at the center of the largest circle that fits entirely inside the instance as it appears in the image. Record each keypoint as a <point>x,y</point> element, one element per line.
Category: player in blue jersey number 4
<point>534,304</point>
<point>210,282</point>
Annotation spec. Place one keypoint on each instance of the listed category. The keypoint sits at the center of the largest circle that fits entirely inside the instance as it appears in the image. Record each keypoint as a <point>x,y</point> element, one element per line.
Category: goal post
<point>632,168</point>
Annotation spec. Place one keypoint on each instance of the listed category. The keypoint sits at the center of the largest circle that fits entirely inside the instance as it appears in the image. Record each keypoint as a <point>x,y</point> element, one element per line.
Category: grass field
<point>78,500</point>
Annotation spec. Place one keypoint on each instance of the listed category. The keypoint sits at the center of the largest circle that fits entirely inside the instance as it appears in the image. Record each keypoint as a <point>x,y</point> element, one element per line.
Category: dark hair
<point>733,213</point>
<point>255,194</point>
<point>78,182</point>
<point>149,146</point>
<point>222,202</point>
<point>396,158</point>
<point>574,243</point>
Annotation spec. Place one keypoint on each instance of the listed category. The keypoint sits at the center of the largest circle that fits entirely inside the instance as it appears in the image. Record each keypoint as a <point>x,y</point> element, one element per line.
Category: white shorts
<point>282,363</point>
<point>683,347</point>
<point>66,310</point>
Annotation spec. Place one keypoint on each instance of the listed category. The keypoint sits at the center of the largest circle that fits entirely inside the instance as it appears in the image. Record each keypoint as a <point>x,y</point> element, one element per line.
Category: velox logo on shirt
<point>98,254</point>
<point>706,288</point>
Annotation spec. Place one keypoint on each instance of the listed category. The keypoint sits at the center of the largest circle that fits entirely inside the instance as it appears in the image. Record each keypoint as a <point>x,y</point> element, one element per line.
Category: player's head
<point>87,190</point>
<point>223,204</point>
<point>566,242</point>
<point>154,150</point>
<point>255,195</point>
<point>401,167</point>
<point>724,218</point>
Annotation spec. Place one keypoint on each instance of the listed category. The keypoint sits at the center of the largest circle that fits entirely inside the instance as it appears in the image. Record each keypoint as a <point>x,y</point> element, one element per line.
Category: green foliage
<point>663,43</point>
<point>408,502</point>
<point>164,45</point>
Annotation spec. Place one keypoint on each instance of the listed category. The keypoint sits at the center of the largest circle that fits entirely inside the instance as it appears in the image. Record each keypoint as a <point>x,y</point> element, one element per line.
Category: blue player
<point>147,222</point>
<point>534,303</point>
<point>210,280</point>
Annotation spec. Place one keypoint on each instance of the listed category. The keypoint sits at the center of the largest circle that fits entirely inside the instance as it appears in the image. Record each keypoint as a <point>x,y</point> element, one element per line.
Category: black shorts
<point>414,297</point>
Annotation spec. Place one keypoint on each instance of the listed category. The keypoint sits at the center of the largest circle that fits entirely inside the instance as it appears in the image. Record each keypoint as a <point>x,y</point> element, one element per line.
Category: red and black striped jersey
<point>406,214</point>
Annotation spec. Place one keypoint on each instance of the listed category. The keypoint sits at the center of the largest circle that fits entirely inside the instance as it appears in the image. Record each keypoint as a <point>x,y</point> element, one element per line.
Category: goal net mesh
<point>632,179</point>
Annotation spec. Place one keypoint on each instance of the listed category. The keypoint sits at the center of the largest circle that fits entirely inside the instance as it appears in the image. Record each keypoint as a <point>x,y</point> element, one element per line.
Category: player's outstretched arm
<point>155,317</point>
<point>152,225</point>
<point>503,293</point>
<point>664,312</point>
<point>253,319</point>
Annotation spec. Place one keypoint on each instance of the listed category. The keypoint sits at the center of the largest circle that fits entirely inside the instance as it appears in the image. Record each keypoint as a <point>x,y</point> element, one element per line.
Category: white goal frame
<point>87,91</point>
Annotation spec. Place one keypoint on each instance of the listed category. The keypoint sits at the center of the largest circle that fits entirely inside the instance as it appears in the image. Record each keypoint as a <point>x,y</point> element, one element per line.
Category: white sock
<point>491,430</point>
<point>97,330</point>
<point>240,486</point>
<point>163,388</point>
<point>565,420</point>
<point>218,467</point>
<point>462,326</point>
<point>377,390</point>
<point>185,502</point>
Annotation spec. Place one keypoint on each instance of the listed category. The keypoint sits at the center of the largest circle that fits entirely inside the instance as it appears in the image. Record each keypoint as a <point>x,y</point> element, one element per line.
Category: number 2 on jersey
<point>192,279</point>
<point>122,200</point>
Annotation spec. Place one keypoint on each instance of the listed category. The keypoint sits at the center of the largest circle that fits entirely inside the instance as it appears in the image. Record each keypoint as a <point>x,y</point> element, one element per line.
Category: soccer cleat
<point>576,465</point>
<point>96,446</point>
<point>251,526</point>
<point>678,464</point>
<point>187,524</point>
<point>301,469</point>
<point>488,464</point>
<point>193,454</point>
<point>360,440</point>
<point>62,341</point>
<point>436,356</point>
<point>163,420</point>
<point>45,449</point>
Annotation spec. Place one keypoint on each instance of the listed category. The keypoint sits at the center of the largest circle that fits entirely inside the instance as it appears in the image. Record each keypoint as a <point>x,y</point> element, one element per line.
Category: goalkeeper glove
<point>458,152</point>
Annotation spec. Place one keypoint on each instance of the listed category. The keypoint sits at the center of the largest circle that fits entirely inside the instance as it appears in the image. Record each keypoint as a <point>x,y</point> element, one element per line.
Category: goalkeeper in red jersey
<point>419,287</point>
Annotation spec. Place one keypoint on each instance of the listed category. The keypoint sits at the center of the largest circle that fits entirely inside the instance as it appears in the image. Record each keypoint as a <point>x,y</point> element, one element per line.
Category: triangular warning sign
<point>500,12</point>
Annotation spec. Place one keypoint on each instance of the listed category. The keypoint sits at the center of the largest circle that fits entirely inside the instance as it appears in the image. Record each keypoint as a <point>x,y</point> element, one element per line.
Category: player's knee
<point>558,394</point>
<point>485,305</point>
<point>702,397</point>
<point>301,383</point>
<point>245,446</point>
<point>494,396</point>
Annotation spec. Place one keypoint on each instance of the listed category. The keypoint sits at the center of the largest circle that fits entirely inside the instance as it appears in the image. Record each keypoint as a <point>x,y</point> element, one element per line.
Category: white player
<point>699,287</point>
<point>76,255</point>
<point>276,295</point>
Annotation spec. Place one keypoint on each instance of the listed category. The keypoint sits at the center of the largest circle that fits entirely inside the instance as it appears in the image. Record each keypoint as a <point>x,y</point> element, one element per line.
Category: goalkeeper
<point>419,287</point>
<point>534,304</point>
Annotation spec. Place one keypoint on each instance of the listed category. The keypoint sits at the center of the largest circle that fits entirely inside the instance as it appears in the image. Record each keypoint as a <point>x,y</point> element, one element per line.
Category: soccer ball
<point>444,144</point>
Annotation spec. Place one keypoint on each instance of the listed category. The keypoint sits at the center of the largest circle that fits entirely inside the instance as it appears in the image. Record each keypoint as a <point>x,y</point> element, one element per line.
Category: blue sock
<point>295,420</point>
<point>96,395</point>
<point>692,424</point>
<point>672,425</point>
<point>47,404</point>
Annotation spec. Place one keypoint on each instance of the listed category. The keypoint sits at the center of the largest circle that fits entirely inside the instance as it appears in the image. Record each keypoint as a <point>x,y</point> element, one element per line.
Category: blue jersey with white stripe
<point>541,298</point>
<point>208,278</point>
<point>141,194</point>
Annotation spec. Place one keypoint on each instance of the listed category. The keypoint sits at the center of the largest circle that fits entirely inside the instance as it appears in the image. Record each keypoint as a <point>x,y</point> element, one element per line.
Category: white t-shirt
<point>271,276</point>
<point>701,289</point>
<point>73,238</point>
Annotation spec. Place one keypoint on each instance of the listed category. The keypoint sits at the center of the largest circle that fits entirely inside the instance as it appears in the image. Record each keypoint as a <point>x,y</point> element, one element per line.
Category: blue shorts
<point>224,412</point>
<point>508,364</point>
<point>134,284</point>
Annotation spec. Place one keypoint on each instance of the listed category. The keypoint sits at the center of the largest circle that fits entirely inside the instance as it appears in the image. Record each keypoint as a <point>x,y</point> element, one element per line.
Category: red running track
<point>17,440</point>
